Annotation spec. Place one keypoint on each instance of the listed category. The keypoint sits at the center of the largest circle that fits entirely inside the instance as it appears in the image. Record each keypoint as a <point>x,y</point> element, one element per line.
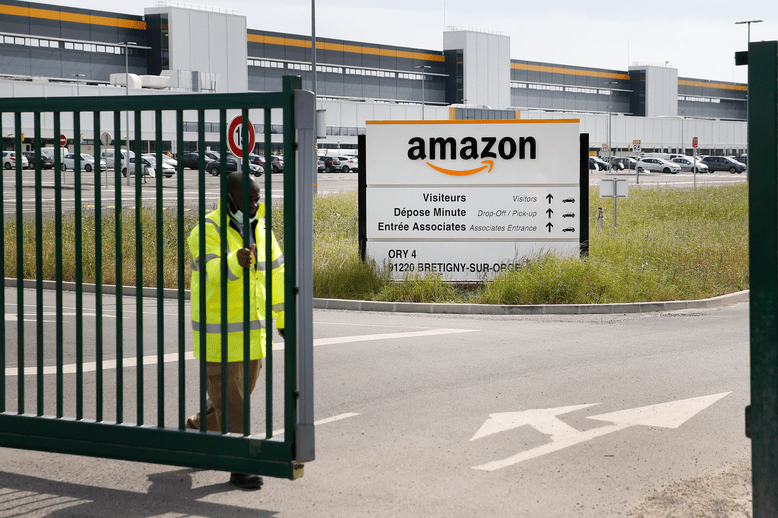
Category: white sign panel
<point>468,199</point>
<point>614,188</point>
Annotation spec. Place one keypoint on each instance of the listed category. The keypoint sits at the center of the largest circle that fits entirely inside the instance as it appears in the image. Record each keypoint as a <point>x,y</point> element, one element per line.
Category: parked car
<point>87,162</point>
<point>658,165</point>
<point>614,164</point>
<point>214,166</point>
<point>192,160</point>
<point>148,169</point>
<point>257,159</point>
<point>320,165</point>
<point>9,160</point>
<point>723,163</point>
<point>597,164</point>
<point>331,163</point>
<point>348,163</point>
<point>110,160</point>
<point>167,169</point>
<point>277,164</point>
<point>46,161</point>
<point>625,162</point>
<point>687,163</point>
<point>743,159</point>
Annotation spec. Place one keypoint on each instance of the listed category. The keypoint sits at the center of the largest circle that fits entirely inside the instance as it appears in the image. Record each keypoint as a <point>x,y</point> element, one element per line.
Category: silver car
<point>687,163</point>
<point>658,165</point>
<point>87,162</point>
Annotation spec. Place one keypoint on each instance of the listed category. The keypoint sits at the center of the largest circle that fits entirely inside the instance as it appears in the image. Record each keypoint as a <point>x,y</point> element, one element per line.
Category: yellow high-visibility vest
<point>212,264</point>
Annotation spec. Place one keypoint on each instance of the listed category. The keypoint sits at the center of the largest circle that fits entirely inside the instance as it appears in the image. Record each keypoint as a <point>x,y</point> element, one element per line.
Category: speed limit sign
<point>235,136</point>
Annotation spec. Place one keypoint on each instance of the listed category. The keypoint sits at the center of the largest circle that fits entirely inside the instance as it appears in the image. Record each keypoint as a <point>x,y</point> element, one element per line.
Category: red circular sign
<point>63,140</point>
<point>235,136</point>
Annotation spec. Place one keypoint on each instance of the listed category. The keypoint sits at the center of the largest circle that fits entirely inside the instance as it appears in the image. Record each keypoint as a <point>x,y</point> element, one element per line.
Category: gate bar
<point>58,245</point>
<point>38,267</point>
<point>181,280</point>
<point>269,253</point>
<point>79,268</point>
<point>2,292</point>
<point>138,264</point>
<point>117,166</point>
<point>160,277</point>
<point>19,265</point>
<point>98,271</point>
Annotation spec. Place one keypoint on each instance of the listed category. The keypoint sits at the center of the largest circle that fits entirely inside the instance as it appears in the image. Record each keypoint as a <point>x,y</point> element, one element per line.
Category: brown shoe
<point>246,481</point>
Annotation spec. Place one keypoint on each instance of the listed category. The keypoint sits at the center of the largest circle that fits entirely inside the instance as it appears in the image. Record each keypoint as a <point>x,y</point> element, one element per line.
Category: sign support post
<point>614,188</point>
<point>636,148</point>
<point>694,158</point>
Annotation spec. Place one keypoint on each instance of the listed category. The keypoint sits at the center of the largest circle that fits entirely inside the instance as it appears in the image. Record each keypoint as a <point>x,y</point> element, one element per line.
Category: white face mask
<point>237,216</point>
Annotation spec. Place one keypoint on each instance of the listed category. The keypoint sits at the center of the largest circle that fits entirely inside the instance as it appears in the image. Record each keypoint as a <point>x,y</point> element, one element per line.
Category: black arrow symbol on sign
<point>549,226</point>
<point>549,198</point>
<point>549,212</point>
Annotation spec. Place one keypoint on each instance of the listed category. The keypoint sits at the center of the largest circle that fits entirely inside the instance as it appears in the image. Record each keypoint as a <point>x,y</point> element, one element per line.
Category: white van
<point>108,156</point>
<point>49,152</point>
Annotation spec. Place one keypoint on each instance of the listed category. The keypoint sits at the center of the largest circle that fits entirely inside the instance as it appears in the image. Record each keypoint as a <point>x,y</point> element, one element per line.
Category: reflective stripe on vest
<point>235,327</point>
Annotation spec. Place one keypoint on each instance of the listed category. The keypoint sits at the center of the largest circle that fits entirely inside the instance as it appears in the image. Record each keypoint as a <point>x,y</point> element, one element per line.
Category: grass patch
<point>671,244</point>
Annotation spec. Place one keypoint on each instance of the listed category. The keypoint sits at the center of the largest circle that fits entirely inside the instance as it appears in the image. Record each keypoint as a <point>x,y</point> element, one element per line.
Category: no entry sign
<point>235,136</point>
<point>63,140</point>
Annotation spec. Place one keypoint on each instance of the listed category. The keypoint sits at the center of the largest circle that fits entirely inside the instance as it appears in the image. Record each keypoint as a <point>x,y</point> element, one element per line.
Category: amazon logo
<point>469,149</point>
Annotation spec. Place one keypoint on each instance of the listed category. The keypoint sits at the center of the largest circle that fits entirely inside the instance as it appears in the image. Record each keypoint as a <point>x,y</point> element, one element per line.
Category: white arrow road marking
<point>665,415</point>
<point>173,357</point>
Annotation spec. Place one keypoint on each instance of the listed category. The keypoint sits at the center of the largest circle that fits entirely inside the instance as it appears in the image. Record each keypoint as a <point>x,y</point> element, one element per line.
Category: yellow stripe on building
<point>569,71</point>
<point>45,14</point>
<point>705,84</point>
<point>340,47</point>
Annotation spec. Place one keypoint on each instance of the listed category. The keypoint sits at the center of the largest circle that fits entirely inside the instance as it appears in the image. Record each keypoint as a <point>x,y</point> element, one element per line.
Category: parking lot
<point>328,183</point>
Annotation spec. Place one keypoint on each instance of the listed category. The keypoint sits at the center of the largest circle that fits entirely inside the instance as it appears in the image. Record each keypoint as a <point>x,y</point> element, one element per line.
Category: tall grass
<point>48,247</point>
<point>671,244</point>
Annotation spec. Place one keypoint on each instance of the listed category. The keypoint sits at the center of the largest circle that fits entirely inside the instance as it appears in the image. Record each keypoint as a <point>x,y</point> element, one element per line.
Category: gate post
<point>763,265</point>
<point>305,138</point>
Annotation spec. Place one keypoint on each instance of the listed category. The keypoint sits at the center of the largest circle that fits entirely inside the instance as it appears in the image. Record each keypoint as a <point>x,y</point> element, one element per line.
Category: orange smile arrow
<point>489,164</point>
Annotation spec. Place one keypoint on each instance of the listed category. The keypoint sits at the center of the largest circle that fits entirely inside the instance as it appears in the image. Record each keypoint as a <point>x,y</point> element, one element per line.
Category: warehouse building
<point>48,50</point>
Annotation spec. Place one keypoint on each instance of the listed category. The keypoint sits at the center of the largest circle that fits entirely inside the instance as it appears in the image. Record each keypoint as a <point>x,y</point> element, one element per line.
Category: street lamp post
<point>610,111</point>
<point>127,87</point>
<point>422,67</point>
<point>748,22</point>
<point>78,84</point>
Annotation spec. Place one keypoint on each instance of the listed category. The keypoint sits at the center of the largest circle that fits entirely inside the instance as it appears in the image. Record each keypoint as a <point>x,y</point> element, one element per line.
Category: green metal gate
<point>81,406</point>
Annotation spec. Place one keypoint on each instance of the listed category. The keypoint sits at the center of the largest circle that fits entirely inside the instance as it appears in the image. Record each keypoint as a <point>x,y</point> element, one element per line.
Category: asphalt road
<point>443,415</point>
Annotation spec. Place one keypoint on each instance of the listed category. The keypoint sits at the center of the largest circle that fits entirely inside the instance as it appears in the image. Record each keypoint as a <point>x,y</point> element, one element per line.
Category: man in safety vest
<point>243,255</point>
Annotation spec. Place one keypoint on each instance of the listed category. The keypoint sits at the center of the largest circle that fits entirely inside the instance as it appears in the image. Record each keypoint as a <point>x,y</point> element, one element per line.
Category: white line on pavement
<point>173,357</point>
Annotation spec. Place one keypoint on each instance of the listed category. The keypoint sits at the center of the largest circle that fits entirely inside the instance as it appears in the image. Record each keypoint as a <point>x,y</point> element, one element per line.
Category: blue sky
<point>699,38</point>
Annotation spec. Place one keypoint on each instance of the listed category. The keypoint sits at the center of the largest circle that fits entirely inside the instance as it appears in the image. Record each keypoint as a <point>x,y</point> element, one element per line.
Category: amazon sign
<point>470,199</point>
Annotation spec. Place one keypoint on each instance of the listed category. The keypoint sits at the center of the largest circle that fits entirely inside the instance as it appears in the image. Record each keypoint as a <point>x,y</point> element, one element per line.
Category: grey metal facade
<point>45,42</point>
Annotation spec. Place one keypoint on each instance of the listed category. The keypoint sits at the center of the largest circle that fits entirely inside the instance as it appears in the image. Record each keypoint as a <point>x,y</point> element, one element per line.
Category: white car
<point>168,170</point>
<point>687,163</point>
<point>147,168</point>
<point>348,163</point>
<point>658,165</point>
<point>9,160</point>
<point>87,162</point>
